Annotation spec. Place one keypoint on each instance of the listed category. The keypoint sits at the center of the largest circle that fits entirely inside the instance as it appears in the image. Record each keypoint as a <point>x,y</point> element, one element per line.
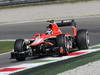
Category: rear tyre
<point>19,47</point>
<point>62,42</point>
<point>82,39</point>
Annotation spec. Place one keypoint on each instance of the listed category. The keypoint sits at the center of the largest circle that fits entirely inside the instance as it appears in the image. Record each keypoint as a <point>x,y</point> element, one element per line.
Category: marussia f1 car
<point>53,42</point>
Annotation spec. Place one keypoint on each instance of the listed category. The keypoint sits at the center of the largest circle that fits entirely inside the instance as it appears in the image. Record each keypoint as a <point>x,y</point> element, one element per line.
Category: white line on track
<point>5,53</point>
<point>94,45</point>
<point>8,40</point>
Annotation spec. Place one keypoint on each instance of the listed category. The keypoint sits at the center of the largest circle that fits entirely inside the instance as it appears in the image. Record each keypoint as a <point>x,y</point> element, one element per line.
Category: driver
<point>49,31</point>
<point>53,28</point>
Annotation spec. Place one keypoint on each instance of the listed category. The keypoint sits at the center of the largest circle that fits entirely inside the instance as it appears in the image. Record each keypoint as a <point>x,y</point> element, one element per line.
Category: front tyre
<point>82,39</point>
<point>20,47</point>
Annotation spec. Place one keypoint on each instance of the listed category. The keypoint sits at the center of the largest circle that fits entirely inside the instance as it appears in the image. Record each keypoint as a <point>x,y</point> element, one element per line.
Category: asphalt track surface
<point>26,30</point>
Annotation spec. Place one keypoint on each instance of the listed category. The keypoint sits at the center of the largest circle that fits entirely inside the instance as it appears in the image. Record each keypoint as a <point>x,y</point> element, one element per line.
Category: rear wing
<point>69,22</point>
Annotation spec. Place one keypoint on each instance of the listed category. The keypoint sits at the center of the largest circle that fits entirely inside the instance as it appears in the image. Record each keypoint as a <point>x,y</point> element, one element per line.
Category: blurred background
<point>16,2</point>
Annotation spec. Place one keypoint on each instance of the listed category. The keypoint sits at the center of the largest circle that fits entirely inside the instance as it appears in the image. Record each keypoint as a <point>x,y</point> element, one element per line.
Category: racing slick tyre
<point>19,47</point>
<point>62,42</point>
<point>82,39</point>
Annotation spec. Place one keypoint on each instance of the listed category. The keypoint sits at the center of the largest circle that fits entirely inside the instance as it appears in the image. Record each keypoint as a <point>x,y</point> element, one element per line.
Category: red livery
<point>53,42</point>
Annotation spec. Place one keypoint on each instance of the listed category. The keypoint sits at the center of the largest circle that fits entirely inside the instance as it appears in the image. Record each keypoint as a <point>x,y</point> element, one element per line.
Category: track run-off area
<point>26,30</point>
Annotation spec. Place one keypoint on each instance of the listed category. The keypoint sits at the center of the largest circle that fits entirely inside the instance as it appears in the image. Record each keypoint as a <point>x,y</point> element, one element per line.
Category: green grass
<point>55,68</point>
<point>96,47</point>
<point>43,3</point>
<point>6,46</point>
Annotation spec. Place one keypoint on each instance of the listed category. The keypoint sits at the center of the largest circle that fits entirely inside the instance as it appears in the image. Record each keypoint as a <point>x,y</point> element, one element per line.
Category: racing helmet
<point>50,21</point>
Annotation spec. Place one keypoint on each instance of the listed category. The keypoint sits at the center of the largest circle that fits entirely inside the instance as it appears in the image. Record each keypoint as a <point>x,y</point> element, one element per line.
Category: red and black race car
<point>52,42</point>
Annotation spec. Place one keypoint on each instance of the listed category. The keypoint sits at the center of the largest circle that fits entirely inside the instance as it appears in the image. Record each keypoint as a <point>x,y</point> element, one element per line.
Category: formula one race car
<point>52,42</point>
